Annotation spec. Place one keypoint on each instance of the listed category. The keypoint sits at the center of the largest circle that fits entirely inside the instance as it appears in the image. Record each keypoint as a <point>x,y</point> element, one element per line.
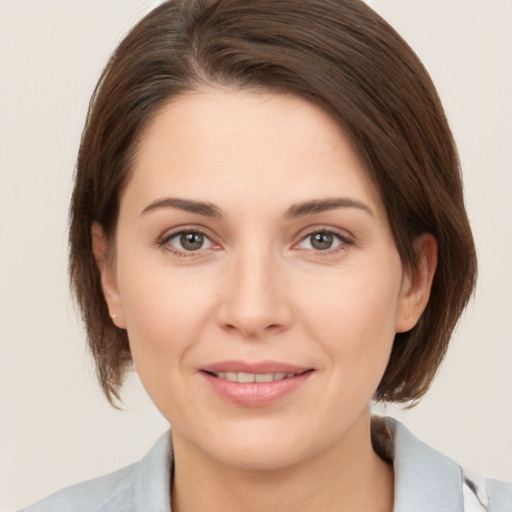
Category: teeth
<point>246,377</point>
<point>264,377</point>
<point>253,377</point>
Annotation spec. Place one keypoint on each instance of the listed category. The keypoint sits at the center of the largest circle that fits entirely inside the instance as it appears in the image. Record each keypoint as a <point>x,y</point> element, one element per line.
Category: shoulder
<point>493,495</point>
<point>500,495</point>
<point>144,485</point>
<point>428,481</point>
<point>104,493</point>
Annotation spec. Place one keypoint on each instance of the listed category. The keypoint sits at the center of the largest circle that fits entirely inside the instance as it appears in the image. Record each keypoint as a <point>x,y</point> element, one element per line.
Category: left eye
<point>189,241</point>
<point>321,241</point>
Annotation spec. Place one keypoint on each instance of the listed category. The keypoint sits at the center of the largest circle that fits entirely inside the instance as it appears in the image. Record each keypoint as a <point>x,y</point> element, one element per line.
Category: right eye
<point>187,242</point>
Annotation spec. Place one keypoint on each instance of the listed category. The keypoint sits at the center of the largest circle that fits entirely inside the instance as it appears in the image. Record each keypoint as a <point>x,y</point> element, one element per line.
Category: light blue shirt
<point>425,481</point>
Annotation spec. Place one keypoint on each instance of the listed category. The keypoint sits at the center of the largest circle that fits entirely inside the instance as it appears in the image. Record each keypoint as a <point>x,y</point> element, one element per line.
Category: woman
<point>268,221</point>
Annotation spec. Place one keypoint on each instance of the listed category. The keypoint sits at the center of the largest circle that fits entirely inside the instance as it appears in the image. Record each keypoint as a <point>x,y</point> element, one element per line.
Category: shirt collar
<point>151,490</point>
<point>425,480</point>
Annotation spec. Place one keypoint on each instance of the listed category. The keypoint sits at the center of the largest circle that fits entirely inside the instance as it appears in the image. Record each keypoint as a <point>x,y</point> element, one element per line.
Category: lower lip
<point>255,394</point>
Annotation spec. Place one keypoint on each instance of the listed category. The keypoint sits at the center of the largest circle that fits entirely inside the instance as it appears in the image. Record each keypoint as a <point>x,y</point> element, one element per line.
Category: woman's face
<point>251,247</point>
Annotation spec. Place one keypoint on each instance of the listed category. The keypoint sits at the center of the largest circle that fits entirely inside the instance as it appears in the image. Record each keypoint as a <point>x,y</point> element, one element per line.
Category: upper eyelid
<point>311,230</point>
<point>172,232</point>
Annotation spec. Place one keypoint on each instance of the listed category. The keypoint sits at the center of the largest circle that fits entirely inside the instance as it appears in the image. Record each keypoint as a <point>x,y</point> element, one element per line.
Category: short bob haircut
<point>336,54</point>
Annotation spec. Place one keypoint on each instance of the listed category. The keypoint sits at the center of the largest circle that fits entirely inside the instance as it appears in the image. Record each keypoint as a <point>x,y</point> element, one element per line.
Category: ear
<point>108,274</point>
<point>416,285</point>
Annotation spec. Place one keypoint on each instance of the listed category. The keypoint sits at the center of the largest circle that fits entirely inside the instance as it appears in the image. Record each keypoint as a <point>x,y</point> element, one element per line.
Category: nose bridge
<point>256,299</point>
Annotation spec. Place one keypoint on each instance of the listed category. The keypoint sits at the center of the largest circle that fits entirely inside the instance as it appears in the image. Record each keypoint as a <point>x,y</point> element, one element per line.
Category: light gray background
<point>55,427</point>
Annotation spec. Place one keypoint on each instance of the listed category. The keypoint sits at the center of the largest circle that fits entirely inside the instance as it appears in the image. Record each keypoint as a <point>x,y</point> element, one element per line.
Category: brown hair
<point>338,54</point>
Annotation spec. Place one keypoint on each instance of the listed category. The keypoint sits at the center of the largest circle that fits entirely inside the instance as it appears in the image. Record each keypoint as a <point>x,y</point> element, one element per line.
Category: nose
<point>254,297</point>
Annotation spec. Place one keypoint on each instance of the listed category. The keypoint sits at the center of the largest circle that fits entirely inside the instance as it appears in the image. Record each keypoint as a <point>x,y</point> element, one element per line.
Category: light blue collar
<point>425,480</point>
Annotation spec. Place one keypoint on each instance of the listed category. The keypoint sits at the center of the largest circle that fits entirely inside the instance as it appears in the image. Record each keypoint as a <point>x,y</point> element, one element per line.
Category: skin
<point>257,289</point>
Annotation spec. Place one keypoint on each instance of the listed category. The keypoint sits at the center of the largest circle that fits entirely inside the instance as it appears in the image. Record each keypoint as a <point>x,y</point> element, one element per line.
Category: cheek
<point>166,317</point>
<point>354,316</point>
<point>165,311</point>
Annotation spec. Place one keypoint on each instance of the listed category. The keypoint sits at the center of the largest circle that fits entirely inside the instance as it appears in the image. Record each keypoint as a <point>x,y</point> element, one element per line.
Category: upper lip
<point>256,367</point>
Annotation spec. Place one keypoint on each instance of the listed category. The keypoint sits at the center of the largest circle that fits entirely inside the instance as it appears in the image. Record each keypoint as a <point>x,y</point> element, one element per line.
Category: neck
<point>345,477</point>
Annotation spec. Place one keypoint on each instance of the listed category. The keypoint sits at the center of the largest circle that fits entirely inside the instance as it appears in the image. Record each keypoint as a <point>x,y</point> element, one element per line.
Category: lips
<point>254,384</point>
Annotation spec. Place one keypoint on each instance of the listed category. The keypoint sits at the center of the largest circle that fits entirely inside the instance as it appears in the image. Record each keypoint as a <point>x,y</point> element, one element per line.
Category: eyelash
<point>341,236</point>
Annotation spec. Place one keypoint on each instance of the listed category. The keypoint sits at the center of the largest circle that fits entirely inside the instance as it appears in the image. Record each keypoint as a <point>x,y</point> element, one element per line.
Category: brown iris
<point>321,241</point>
<point>192,241</point>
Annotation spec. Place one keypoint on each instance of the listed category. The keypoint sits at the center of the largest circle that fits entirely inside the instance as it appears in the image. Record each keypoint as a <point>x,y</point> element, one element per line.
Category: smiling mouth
<point>244,377</point>
<point>255,385</point>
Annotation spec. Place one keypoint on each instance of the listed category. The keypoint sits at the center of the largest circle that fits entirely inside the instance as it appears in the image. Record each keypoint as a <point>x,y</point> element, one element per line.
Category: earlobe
<point>416,286</point>
<point>108,274</point>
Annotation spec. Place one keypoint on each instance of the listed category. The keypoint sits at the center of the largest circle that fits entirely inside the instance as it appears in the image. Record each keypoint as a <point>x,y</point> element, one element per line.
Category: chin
<point>257,446</point>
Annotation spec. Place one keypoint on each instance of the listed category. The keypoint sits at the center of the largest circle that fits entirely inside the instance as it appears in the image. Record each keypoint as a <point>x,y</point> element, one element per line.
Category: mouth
<point>244,377</point>
<point>255,385</point>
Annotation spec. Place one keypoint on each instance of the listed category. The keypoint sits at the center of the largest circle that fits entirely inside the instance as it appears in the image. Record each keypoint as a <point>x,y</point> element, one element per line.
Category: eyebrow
<point>296,210</point>
<point>200,207</point>
<point>322,205</point>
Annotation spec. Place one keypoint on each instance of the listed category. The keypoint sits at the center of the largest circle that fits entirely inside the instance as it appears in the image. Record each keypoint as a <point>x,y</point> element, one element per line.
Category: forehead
<point>221,145</point>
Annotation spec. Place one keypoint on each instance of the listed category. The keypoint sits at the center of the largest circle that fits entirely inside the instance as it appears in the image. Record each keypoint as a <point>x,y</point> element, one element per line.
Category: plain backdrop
<point>55,426</point>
